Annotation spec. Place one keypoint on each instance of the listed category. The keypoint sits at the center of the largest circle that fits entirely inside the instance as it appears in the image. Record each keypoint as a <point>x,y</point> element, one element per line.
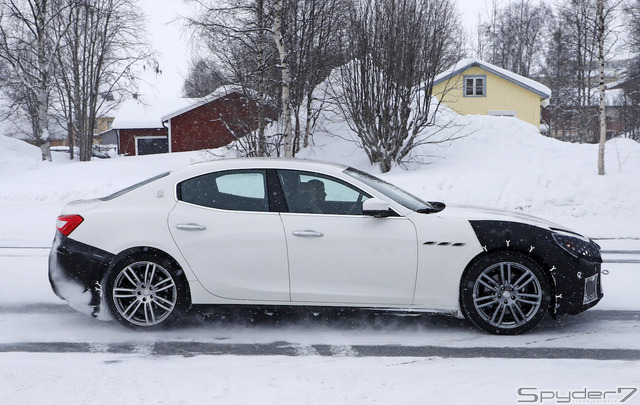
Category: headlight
<point>577,247</point>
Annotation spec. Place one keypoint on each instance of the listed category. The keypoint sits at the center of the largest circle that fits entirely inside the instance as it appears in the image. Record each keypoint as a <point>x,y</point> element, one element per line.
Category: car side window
<point>238,190</point>
<point>312,193</point>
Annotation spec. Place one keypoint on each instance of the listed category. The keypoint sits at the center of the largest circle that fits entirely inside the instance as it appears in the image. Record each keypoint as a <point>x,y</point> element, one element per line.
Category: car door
<point>234,245</point>
<point>339,255</point>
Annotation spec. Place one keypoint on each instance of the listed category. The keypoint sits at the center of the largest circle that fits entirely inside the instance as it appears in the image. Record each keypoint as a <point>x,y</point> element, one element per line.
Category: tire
<point>145,291</point>
<point>505,293</point>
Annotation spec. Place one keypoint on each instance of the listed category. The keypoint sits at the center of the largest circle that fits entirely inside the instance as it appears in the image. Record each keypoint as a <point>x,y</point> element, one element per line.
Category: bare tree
<point>313,32</point>
<point>574,54</point>
<point>279,51</point>
<point>30,37</point>
<point>632,10</point>
<point>239,35</point>
<point>559,74</point>
<point>203,78</point>
<point>569,62</point>
<point>283,65</point>
<point>396,49</point>
<point>101,56</point>
<point>578,16</point>
<point>512,38</point>
<point>631,86</point>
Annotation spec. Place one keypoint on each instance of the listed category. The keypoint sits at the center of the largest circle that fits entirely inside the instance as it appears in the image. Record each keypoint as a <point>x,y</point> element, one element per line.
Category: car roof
<point>259,163</point>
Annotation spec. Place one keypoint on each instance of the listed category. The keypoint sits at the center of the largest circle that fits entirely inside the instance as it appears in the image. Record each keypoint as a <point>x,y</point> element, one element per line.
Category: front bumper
<point>578,286</point>
<point>76,271</point>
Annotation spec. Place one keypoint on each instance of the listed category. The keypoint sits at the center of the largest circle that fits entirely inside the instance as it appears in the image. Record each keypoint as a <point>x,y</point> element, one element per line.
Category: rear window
<point>236,190</point>
<point>131,188</point>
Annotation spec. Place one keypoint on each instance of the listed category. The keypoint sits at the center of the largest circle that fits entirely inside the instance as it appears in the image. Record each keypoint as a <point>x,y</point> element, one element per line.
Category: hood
<point>478,214</point>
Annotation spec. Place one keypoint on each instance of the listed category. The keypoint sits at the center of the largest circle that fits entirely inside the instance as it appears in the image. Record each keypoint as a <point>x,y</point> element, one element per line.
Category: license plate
<point>590,289</point>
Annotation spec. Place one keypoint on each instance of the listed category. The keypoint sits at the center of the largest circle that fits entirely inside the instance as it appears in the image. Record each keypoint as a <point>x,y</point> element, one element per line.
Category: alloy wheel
<point>144,293</point>
<point>507,295</point>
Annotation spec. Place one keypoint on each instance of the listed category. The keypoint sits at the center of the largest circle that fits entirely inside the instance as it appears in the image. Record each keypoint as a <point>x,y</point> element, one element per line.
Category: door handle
<point>308,234</point>
<point>191,227</point>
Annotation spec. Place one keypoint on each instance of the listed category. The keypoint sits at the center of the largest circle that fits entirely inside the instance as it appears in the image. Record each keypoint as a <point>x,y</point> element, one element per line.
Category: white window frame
<point>503,113</point>
<point>475,85</point>
<point>147,137</point>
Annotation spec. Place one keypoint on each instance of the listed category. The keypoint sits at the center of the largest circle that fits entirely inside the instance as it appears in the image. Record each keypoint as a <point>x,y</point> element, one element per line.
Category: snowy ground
<point>112,379</point>
<point>501,163</point>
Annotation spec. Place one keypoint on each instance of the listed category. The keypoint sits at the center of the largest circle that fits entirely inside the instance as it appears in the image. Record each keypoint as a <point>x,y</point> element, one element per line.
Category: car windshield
<point>395,193</point>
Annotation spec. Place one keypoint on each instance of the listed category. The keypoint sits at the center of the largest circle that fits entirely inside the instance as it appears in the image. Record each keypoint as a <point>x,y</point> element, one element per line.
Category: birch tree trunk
<point>261,147</point>
<point>286,81</point>
<point>601,87</point>
<point>43,87</point>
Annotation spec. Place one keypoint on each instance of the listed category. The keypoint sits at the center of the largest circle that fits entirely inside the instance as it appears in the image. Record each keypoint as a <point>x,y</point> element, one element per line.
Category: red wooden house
<point>184,124</point>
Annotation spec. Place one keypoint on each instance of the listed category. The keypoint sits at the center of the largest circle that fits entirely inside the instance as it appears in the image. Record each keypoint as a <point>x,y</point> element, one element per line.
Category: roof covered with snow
<point>134,114</point>
<point>543,91</point>
<point>197,102</point>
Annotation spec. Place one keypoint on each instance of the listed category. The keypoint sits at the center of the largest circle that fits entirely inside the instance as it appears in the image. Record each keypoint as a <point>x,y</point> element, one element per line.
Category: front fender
<point>565,271</point>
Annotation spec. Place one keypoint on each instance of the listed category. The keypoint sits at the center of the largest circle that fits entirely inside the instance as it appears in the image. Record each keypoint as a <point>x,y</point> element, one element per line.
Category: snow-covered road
<point>352,335</point>
<point>34,319</point>
<point>50,354</point>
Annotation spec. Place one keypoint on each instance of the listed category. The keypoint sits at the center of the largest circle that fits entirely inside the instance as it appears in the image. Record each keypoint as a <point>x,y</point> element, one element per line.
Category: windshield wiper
<point>434,206</point>
<point>426,210</point>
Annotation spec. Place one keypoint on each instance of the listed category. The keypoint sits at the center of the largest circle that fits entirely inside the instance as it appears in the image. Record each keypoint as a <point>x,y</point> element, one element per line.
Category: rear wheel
<point>505,293</point>
<point>145,291</point>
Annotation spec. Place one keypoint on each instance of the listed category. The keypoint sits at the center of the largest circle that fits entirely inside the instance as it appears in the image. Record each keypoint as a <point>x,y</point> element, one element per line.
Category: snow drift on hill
<point>17,155</point>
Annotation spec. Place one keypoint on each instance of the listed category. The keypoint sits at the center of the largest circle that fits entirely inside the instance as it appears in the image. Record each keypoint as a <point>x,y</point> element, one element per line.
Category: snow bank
<point>32,192</point>
<point>505,163</point>
<point>17,156</point>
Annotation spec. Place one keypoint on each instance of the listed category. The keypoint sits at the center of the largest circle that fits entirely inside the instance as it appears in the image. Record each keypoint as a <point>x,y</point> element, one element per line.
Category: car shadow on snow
<point>360,320</point>
<point>380,322</point>
<point>324,318</point>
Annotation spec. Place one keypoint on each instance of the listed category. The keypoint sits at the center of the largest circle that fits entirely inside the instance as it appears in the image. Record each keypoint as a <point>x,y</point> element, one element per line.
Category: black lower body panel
<point>578,286</point>
<point>76,271</point>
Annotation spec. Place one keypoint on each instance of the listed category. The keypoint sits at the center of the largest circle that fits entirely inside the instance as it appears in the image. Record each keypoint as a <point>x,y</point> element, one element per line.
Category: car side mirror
<point>376,208</point>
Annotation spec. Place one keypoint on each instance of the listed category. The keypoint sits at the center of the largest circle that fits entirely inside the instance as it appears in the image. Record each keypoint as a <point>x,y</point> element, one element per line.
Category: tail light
<point>67,223</point>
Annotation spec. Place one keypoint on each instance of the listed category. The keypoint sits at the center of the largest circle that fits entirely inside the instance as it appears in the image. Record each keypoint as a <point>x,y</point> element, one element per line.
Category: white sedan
<point>284,233</point>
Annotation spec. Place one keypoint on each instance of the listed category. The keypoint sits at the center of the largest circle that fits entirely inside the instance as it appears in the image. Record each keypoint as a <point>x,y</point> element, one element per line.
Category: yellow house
<point>476,87</point>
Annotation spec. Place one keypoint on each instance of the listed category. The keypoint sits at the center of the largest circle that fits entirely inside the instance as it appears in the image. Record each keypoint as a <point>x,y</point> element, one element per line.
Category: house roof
<point>540,89</point>
<point>134,114</point>
<point>197,102</point>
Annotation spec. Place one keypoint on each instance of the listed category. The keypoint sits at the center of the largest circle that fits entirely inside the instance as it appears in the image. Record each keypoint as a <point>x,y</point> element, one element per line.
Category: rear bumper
<point>76,271</point>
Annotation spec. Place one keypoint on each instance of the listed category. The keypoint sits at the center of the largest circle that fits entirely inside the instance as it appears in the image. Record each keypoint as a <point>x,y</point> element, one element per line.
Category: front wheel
<point>505,293</point>
<point>144,291</point>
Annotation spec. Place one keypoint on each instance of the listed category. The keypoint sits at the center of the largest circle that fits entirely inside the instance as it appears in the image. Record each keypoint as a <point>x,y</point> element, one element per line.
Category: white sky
<point>172,42</point>
<point>469,10</point>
